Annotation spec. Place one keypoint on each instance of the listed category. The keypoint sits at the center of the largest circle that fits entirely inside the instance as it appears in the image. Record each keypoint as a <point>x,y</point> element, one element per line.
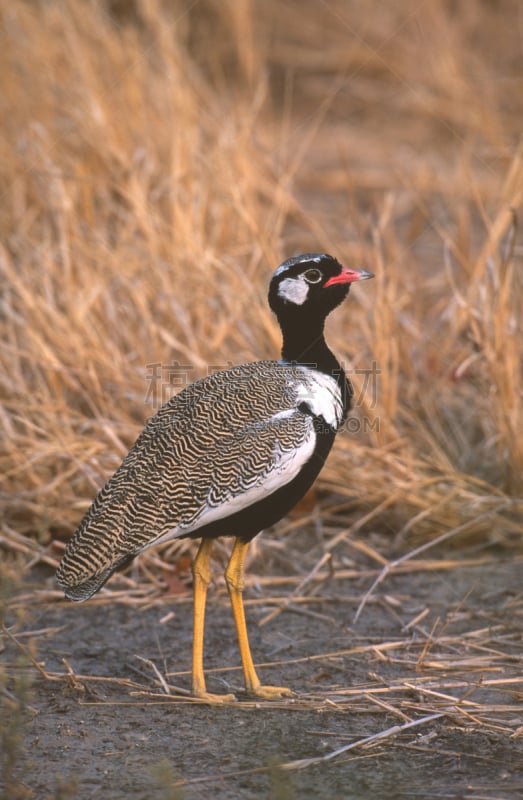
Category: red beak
<point>349,276</point>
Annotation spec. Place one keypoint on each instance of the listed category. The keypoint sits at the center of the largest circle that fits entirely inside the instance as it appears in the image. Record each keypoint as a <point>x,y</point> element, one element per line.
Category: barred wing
<point>219,446</point>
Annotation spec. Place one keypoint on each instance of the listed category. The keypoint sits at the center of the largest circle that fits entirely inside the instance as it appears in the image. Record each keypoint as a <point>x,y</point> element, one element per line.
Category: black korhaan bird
<point>228,456</point>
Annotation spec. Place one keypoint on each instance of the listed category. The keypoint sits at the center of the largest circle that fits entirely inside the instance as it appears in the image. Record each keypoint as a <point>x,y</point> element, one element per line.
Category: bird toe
<point>215,699</point>
<point>269,692</point>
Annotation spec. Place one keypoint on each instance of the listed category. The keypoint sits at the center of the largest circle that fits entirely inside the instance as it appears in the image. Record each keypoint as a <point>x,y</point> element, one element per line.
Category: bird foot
<point>214,699</point>
<point>269,692</point>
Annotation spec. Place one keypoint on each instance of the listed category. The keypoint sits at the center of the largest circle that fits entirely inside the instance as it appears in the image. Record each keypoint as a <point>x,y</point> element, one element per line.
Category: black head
<point>311,285</point>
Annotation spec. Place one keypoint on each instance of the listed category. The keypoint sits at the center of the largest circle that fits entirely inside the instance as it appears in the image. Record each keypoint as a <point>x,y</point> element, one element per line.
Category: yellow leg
<point>234,576</point>
<point>201,578</point>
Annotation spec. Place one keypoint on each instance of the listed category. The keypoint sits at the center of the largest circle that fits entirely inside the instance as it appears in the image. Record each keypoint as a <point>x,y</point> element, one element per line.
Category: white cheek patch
<point>293,290</point>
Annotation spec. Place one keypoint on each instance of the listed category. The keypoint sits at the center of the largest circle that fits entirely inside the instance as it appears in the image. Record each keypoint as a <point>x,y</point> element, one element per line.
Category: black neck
<point>305,344</point>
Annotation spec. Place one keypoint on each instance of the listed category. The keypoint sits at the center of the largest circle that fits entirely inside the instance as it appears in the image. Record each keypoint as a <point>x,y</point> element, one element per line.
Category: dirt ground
<point>435,641</point>
<point>402,133</point>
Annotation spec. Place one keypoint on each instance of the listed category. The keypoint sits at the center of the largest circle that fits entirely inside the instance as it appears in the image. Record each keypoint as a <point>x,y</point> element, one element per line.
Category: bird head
<point>312,284</point>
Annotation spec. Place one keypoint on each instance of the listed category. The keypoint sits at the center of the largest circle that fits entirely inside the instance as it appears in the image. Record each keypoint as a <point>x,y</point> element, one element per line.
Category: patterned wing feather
<point>218,446</point>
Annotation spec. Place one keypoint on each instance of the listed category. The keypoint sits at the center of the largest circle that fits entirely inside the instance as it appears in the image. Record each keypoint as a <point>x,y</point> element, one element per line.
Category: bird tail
<point>79,580</point>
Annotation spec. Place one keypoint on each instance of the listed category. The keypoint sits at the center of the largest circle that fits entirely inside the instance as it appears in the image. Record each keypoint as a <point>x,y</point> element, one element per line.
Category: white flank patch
<point>283,471</point>
<point>294,290</point>
<point>323,396</point>
<point>283,414</point>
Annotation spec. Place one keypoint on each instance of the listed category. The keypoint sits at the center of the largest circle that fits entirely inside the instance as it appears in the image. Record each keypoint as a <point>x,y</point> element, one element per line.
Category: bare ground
<point>403,131</point>
<point>439,645</point>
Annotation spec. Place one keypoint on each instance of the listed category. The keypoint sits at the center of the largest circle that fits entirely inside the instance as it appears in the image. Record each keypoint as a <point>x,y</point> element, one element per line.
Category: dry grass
<point>158,161</point>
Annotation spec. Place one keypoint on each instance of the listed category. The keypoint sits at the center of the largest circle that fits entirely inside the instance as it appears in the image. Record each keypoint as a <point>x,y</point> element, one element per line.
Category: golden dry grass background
<point>158,160</point>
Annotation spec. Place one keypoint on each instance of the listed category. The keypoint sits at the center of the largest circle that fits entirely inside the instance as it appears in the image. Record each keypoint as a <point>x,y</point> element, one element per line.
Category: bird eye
<point>312,276</point>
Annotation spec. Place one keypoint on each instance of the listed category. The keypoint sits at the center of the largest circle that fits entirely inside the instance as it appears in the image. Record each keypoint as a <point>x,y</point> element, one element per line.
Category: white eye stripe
<point>305,258</point>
